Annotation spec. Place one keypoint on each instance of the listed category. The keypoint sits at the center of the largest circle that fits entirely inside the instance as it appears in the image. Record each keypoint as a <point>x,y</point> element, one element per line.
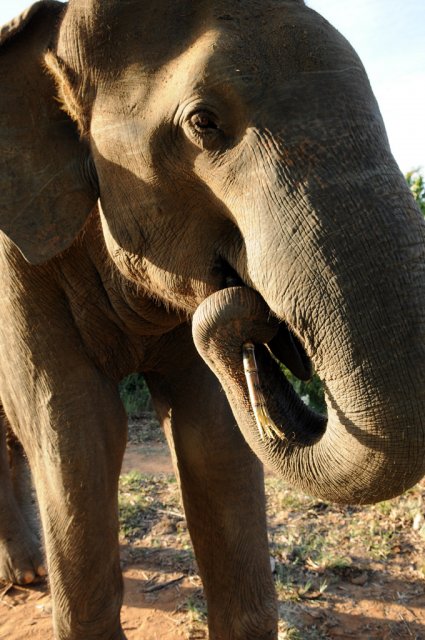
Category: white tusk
<point>265,424</point>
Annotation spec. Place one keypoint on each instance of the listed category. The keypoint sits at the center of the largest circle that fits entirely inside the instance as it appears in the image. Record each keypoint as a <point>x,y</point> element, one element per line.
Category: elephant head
<point>236,143</point>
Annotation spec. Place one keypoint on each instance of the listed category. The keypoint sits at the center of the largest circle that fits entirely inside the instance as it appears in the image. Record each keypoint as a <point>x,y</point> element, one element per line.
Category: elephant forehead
<point>241,65</point>
<point>262,37</point>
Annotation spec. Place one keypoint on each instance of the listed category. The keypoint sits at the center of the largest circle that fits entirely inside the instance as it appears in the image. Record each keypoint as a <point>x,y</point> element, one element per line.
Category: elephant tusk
<point>265,424</point>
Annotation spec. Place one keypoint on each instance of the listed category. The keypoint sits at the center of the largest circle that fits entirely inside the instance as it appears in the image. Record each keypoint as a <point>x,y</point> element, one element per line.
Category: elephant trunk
<point>338,459</point>
<point>365,334</point>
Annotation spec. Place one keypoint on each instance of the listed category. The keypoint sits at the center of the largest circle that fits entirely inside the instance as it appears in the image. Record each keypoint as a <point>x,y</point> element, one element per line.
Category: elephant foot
<point>21,559</point>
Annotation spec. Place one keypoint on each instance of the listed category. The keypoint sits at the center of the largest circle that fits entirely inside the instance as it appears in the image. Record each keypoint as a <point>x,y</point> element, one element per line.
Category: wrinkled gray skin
<point>230,144</point>
<point>20,553</point>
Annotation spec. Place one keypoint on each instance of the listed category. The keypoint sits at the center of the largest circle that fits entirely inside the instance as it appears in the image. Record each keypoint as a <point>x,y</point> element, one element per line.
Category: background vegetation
<point>135,395</point>
<point>416,182</point>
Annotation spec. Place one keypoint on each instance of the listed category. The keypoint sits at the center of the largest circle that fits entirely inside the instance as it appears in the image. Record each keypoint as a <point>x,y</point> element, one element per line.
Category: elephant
<point>200,191</point>
<point>21,558</point>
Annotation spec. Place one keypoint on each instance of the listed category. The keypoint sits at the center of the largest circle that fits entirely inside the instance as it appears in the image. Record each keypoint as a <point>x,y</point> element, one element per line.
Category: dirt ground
<point>340,573</point>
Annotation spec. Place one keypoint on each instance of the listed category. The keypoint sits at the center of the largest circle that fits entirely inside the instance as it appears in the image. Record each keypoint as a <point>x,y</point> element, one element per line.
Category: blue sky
<point>389,36</point>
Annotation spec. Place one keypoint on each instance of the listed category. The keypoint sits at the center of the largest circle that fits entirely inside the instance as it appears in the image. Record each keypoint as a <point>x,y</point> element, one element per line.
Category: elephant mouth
<point>287,349</point>
<point>279,410</point>
<point>285,346</point>
<point>239,326</point>
<point>269,390</point>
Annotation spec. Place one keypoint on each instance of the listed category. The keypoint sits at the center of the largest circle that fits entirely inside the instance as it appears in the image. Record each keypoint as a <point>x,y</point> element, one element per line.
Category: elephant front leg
<point>21,559</point>
<point>223,493</point>
<point>75,452</point>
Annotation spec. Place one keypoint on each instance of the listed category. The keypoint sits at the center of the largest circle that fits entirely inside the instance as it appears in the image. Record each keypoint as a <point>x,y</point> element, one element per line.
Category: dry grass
<point>339,572</point>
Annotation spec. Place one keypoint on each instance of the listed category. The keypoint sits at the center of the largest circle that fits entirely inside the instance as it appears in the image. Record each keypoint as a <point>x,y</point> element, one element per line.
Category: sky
<point>389,36</point>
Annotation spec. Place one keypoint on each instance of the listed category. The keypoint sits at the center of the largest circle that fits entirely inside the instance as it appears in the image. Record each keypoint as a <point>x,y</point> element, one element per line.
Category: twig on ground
<point>163,585</point>
<point>4,592</point>
<point>6,589</point>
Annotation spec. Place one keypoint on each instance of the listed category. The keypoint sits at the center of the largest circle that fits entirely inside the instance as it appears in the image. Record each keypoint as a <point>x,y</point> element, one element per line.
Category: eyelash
<point>210,126</point>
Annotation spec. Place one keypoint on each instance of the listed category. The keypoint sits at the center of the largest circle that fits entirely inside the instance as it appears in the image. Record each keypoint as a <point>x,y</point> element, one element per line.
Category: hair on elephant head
<point>244,179</point>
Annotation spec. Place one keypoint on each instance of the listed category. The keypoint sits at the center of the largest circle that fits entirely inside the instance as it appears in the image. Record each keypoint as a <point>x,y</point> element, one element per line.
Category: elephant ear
<point>45,194</point>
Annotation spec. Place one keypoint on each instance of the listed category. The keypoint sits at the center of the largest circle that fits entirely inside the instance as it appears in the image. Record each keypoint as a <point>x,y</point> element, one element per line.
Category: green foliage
<point>416,182</point>
<point>135,394</point>
<point>311,392</point>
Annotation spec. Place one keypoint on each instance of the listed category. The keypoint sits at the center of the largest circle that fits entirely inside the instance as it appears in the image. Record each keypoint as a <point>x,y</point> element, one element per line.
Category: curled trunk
<point>352,456</point>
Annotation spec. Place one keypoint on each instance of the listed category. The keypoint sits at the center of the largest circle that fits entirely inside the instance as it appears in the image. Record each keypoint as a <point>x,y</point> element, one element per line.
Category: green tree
<point>416,182</point>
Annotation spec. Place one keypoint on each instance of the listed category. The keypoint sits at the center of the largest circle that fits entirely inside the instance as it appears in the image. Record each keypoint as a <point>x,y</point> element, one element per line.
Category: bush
<point>416,182</point>
<point>135,394</point>
<point>311,392</point>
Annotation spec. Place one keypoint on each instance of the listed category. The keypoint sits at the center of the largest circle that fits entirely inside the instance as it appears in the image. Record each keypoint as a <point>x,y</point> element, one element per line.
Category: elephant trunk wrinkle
<point>345,458</point>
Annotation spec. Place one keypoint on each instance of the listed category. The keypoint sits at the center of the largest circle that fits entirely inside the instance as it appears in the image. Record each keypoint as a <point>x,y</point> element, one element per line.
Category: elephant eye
<point>203,122</point>
<point>203,129</point>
